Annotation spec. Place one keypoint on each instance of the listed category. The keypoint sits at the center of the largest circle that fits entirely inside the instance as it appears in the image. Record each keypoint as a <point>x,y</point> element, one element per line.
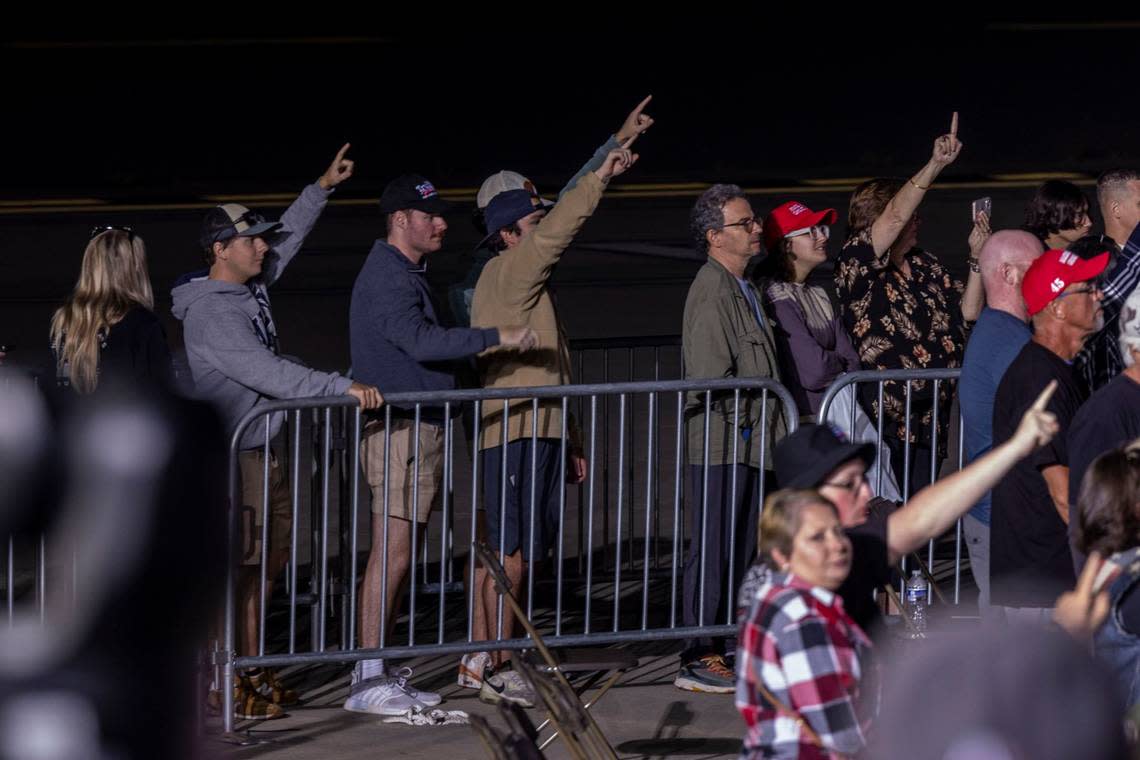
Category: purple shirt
<point>812,346</point>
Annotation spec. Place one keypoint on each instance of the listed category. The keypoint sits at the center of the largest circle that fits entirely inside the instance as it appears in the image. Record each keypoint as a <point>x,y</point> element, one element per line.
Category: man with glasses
<point>234,359</point>
<point>1001,332</point>
<point>1030,562</point>
<point>725,334</point>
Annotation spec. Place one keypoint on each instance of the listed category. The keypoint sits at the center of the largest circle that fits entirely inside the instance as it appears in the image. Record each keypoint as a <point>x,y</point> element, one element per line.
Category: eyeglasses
<point>748,224</point>
<point>1093,288</point>
<point>852,485</point>
<point>99,230</point>
<point>818,232</point>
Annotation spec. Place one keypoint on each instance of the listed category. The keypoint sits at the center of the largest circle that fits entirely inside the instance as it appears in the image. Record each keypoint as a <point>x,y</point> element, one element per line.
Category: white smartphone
<point>982,206</point>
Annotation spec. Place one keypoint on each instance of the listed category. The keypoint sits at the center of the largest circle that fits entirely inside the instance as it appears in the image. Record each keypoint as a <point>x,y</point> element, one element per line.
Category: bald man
<point>1001,332</point>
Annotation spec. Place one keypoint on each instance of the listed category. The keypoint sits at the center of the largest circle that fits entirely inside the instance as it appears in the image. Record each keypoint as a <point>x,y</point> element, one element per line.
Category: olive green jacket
<point>720,339</point>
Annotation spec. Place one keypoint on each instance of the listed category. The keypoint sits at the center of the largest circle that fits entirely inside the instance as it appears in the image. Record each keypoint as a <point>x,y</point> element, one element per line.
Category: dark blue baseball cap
<point>508,207</point>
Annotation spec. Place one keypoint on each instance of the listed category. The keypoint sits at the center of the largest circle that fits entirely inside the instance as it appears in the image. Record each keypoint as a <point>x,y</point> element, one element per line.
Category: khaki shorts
<point>252,512</point>
<point>401,467</point>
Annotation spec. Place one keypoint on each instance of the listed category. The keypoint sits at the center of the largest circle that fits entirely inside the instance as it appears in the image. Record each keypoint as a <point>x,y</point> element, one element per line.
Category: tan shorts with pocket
<point>251,516</point>
<point>401,467</point>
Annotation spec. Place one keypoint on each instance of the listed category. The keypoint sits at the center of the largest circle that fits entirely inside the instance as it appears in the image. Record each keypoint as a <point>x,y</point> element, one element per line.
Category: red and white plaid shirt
<point>799,643</point>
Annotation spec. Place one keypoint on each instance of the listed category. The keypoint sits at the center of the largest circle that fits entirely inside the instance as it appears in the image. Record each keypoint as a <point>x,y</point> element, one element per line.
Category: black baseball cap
<point>804,458</point>
<point>232,220</point>
<point>411,191</point>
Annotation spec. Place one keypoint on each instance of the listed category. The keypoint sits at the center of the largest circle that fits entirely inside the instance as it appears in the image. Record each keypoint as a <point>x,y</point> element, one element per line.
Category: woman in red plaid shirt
<point>799,654</point>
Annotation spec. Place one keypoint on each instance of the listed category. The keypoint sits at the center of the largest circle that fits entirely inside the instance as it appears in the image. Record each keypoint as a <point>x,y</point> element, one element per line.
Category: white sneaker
<point>506,686</point>
<point>471,669</point>
<point>429,698</point>
<point>382,696</point>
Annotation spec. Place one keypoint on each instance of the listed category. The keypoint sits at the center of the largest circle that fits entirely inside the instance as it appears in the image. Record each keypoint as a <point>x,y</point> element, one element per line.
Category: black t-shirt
<point>870,567</point>
<point>1030,563</point>
<point>1110,418</point>
<point>136,349</point>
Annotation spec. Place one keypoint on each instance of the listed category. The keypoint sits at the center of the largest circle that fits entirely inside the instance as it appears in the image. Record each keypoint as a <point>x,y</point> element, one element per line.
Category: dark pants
<point>919,464</point>
<point>720,539</point>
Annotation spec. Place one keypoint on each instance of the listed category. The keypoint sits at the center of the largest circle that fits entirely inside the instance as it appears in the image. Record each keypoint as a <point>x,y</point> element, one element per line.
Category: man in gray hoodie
<point>234,359</point>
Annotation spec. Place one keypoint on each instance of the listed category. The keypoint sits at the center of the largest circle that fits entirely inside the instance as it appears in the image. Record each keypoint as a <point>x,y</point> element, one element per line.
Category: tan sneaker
<point>267,685</point>
<point>249,704</point>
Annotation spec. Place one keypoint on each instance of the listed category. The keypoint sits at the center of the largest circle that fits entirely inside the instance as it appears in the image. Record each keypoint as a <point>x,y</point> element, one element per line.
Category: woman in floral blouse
<point>902,308</point>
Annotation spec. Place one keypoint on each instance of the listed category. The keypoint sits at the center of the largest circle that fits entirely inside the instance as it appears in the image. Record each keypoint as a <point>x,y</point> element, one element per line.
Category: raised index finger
<point>1091,570</point>
<point>341,152</point>
<point>954,125</point>
<point>1043,400</point>
<point>641,106</point>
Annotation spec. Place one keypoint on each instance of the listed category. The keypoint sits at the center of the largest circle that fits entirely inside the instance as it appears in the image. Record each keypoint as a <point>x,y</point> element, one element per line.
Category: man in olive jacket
<point>726,334</point>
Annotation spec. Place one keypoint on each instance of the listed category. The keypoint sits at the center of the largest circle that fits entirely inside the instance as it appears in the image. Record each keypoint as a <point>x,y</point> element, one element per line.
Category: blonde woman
<point>107,328</point>
<point>800,657</point>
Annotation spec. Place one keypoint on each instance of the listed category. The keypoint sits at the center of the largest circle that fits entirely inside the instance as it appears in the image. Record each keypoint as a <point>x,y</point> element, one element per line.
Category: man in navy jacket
<point>399,345</point>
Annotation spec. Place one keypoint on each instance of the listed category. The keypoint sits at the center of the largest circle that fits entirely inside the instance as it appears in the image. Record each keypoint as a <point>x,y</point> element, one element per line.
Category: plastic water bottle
<point>916,598</point>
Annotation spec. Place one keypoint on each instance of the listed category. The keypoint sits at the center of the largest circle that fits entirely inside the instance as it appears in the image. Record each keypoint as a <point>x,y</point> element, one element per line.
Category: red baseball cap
<point>792,216</point>
<point>1055,270</point>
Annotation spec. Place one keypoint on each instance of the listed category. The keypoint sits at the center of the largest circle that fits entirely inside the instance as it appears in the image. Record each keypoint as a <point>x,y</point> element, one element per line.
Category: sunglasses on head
<point>99,230</point>
<point>252,218</point>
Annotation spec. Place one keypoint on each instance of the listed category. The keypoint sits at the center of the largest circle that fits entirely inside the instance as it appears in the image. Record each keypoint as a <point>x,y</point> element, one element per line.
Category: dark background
<point>149,124</point>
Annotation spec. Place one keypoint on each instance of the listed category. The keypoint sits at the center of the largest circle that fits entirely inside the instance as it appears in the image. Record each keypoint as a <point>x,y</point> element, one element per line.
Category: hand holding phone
<point>981,206</point>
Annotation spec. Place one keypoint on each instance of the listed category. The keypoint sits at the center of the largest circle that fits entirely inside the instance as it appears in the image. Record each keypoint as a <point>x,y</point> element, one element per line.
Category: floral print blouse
<point>900,322</point>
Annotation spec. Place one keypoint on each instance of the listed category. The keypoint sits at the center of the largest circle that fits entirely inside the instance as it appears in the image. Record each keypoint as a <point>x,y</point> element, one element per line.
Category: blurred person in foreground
<point>1108,525</point>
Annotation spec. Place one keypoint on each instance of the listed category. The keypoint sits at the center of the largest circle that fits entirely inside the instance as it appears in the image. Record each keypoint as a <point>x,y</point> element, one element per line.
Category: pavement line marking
<point>1039,176</point>
<point>680,190</point>
<point>55,202</point>
<point>837,181</point>
<point>204,42</point>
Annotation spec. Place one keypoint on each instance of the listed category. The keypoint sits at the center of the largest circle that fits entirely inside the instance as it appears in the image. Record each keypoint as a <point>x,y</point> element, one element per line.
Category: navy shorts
<point>516,510</point>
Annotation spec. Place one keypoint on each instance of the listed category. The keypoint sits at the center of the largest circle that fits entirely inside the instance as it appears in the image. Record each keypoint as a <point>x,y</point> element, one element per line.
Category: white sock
<point>372,669</point>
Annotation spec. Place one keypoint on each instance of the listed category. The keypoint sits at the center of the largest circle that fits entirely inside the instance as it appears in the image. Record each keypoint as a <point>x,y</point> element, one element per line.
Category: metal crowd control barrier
<point>908,376</point>
<point>621,595</point>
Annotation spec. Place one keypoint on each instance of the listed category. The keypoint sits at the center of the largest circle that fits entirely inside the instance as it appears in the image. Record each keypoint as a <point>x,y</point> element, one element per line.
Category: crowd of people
<point>1045,328</point>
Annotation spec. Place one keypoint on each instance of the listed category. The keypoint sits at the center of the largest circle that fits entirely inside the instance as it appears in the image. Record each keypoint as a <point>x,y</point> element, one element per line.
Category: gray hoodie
<point>229,363</point>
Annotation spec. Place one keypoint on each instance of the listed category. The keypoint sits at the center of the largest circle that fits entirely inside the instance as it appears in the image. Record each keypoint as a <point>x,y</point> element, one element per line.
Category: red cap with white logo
<point>792,217</point>
<point>1055,270</point>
